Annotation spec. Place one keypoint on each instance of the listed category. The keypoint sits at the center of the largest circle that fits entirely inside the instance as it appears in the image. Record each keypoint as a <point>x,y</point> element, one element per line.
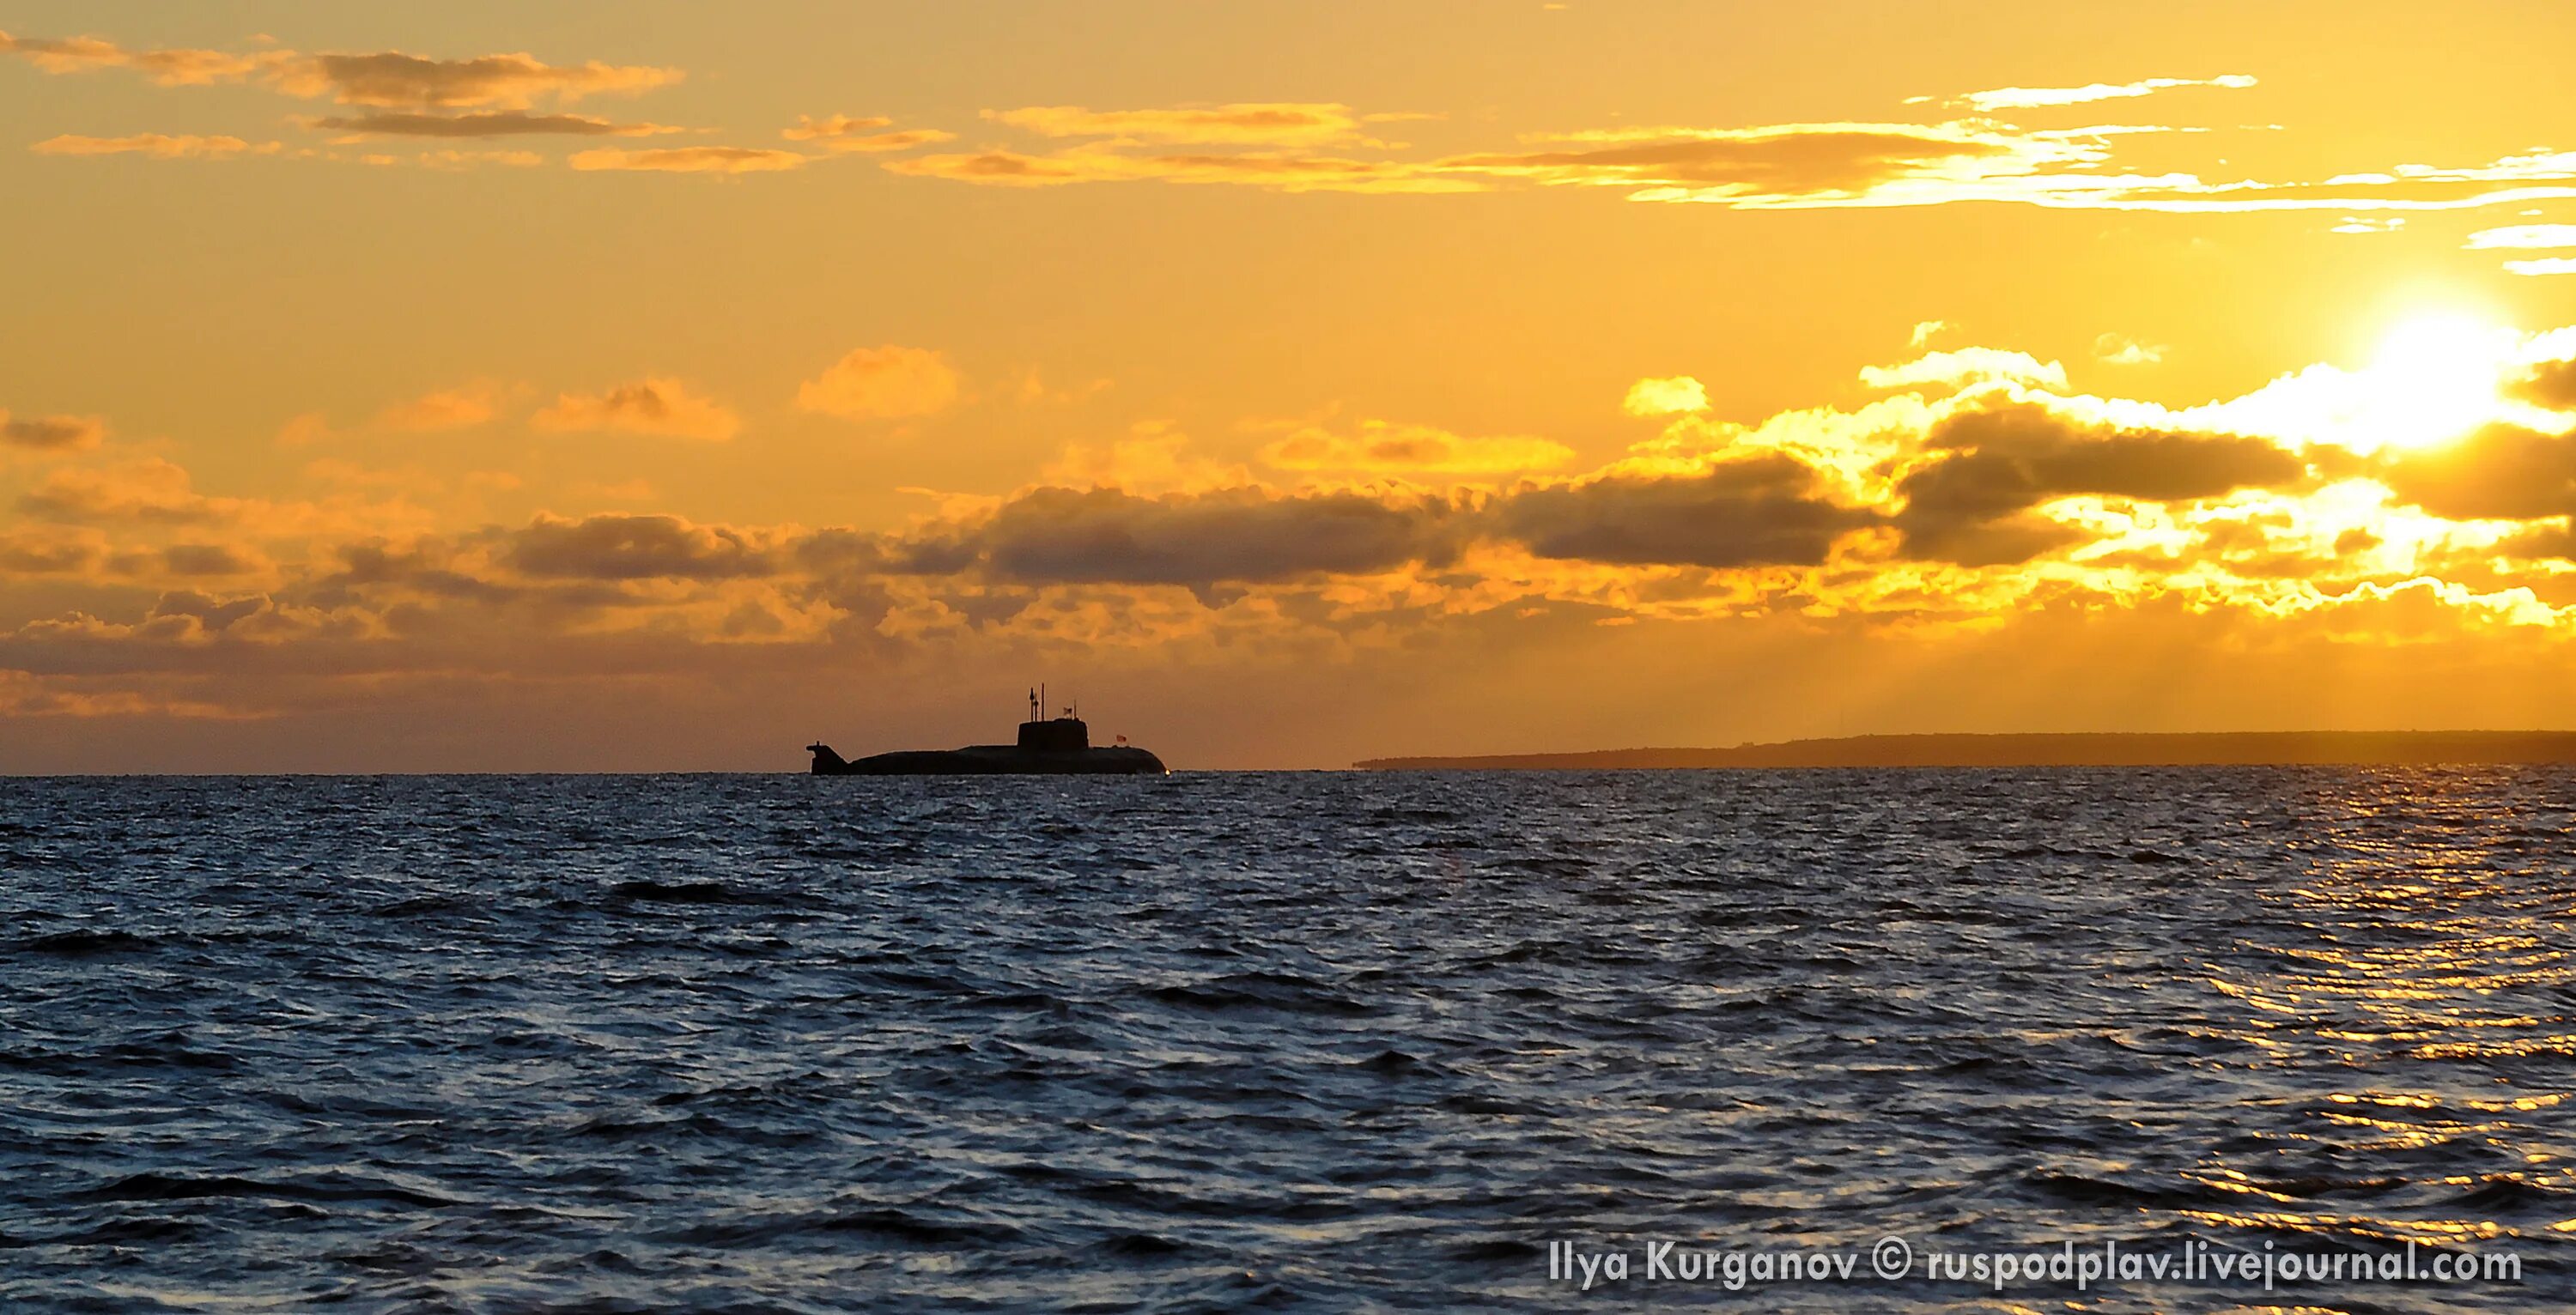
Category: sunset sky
<point>665,385</point>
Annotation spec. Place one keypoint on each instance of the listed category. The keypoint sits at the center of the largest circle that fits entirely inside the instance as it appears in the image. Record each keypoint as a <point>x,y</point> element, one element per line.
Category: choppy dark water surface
<point>1218,1041</point>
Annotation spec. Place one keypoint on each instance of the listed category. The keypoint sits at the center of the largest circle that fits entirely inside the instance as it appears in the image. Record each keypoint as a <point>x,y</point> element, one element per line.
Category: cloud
<point>2501,472</point>
<point>489,123</point>
<point>1795,166</point>
<point>1274,124</point>
<point>2020,98</point>
<point>1952,515</point>
<point>1675,395</point>
<point>170,68</point>
<point>2551,384</point>
<point>208,611</point>
<point>1151,458</point>
<point>1275,145</point>
<point>2521,237</point>
<point>417,96</point>
<point>2511,180</point>
<point>808,128</point>
<point>1000,168</point>
<point>1097,164</point>
<point>1965,367</point>
<point>1779,161</point>
<point>60,433</point>
<point>2545,265</point>
<point>648,406</point>
<point>882,142</point>
<point>1032,389</point>
<point>1383,447</point>
<point>882,383</point>
<point>1993,463</point>
<point>639,548</point>
<point>146,489</point>
<point>24,696</point>
<point>1762,510</point>
<point>692,159</point>
<point>211,559</point>
<point>840,132</point>
<point>1924,332</point>
<point>394,80</point>
<point>452,161</point>
<point>1771,166</point>
<point>426,568</point>
<point>1235,535</point>
<point>304,430</point>
<point>452,408</point>
<point>159,146</point>
<point>49,551</point>
<point>2120,349</point>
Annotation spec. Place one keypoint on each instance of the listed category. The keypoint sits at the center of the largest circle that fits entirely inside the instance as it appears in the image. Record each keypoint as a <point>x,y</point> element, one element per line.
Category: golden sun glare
<point>2434,378</point>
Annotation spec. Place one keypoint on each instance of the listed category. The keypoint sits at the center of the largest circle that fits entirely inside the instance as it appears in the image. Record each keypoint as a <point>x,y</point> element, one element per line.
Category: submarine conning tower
<point>1064,734</point>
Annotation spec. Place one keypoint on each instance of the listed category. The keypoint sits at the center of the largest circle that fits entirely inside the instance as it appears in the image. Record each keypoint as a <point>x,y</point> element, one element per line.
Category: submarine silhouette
<point>1048,746</point>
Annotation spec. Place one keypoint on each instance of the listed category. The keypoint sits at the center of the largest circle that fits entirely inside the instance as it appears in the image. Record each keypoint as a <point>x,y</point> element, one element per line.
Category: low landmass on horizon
<point>2114,749</point>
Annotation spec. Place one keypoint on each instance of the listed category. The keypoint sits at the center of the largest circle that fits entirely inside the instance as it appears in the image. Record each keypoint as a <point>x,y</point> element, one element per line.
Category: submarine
<point>1048,746</point>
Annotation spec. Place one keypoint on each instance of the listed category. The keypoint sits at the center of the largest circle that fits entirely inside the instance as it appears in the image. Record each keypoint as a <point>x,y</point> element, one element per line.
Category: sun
<point>2434,378</point>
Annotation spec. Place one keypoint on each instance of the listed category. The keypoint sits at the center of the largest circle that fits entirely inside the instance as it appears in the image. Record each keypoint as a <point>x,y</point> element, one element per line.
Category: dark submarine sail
<point>1048,746</point>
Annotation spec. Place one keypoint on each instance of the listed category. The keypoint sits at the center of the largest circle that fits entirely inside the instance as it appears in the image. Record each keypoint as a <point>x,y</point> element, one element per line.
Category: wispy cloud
<point>1678,394</point>
<point>841,133</point>
<point>882,383</point>
<point>170,68</point>
<point>2522,237</point>
<point>396,80</point>
<point>808,128</point>
<point>408,95</point>
<point>1964,367</point>
<point>659,406</point>
<point>2120,349</point>
<point>1383,447</point>
<point>692,159</point>
<point>57,433</point>
<point>150,489</point>
<point>1100,164</point>
<point>2024,98</point>
<point>1775,161</point>
<point>1244,124</point>
<point>387,79</point>
<point>160,146</point>
<point>489,123</point>
<point>1817,165</point>
<point>448,408</point>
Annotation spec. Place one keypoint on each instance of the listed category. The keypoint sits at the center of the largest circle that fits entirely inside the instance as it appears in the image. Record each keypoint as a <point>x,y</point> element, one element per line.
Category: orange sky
<point>662,386</point>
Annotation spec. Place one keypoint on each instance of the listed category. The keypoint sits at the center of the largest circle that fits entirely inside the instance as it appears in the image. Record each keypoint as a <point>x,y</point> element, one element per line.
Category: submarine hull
<point>1059,746</point>
<point>995,760</point>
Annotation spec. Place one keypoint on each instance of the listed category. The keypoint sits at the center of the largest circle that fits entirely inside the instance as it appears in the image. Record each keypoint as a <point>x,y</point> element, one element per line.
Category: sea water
<point>1288,1041</point>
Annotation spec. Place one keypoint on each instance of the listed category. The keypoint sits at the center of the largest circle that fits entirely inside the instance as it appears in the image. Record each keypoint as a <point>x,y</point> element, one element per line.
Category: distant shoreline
<point>2181,749</point>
